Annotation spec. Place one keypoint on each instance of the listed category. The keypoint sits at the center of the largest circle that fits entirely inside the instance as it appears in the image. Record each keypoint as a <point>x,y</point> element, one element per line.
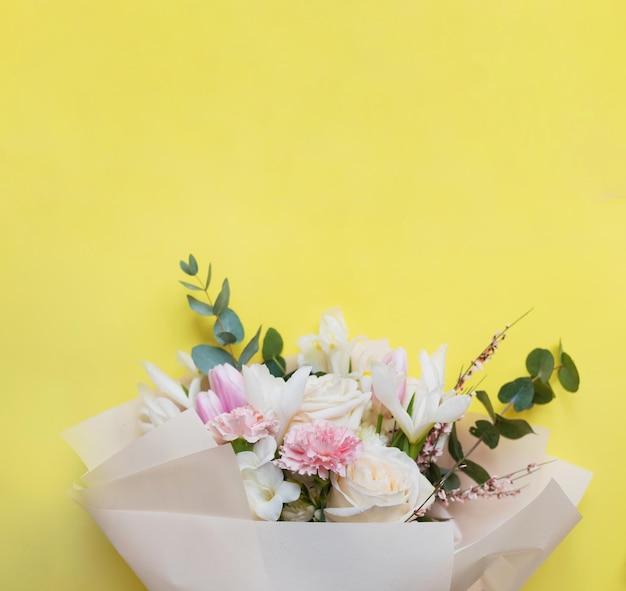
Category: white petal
<point>288,492</point>
<point>293,391</point>
<point>167,385</point>
<point>269,476</point>
<point>265,449</point>
<point>168,407</point>
<point>433,367</point>
<point>269,510</point>
<point>452,409</point>
<point>247,460</point>
<point>194,390</point>
<point>253,386</point>
<point>385,388</point>
<point>185,360</point>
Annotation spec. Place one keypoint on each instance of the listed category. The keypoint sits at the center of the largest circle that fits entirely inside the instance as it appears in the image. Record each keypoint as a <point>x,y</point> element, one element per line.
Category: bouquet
<point>331,466</point>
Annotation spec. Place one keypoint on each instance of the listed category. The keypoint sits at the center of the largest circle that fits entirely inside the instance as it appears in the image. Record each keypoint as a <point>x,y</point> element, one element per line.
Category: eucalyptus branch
<point>205,289</point>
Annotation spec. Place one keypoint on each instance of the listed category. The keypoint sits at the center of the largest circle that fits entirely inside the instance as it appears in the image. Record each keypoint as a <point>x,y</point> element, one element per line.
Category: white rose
<point>333,398</point>
<point>384,484</point>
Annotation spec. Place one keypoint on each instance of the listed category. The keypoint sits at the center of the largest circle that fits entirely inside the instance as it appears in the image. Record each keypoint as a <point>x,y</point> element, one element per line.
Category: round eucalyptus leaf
<point>272,344</point>
<point>206,357</point>
<point>512,428</point>
<point>543,393</point>
<point>520,392</point>
<point>486,431</point>
<point>228,323</point>
<point>568,373</point>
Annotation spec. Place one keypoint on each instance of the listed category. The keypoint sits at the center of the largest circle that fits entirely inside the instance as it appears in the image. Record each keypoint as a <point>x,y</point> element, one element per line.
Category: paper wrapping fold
<point>173,505</point>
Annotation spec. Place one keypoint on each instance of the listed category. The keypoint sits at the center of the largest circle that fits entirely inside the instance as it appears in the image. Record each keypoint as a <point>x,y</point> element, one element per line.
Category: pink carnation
<point>243,422</point>
<point>319,447</point>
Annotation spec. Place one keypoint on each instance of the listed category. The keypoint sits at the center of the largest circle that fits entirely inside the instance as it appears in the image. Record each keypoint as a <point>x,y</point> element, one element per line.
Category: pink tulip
<point>229,386</point>
<point>226,393</point>
<point>208,406</point>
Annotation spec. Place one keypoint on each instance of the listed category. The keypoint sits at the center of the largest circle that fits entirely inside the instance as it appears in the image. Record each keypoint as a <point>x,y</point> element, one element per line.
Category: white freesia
<point>168,398</point>
<point>262,453</point>
<point>329,350</point>
<point>384,484</point>
<point>264,482</point>
<point>266,392</point>
<point>430,403</point>
<point>333,398</point>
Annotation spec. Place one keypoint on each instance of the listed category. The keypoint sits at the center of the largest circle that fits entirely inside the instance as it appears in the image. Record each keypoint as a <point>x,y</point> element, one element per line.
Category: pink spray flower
<point>243,422</point>
<point>226,393</point>
<point>319,447</point>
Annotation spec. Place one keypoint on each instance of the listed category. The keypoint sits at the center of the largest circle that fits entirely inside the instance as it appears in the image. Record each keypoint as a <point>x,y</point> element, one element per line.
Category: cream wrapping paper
<point>173,505</point>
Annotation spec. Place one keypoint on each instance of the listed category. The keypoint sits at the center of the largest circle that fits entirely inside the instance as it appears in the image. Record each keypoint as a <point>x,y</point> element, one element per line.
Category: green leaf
<point>451,482</point>
<point>409,408</point>
<point>225,338</point>
<point>520,392</point>
<point>433,473</point>
<point>568,373</point>
<point>191,286</point>
<point>228,322</point>
<point>272,344</point>
<point>476,472</point>
<point>540,363</point>
<point>487,432</point>
<point>276,366</point>
<point>199,307</point>
<point>454,445</point>
<point>222,300</point>
<point>543,393</point>
<point>397,438</point>
<point>206,357</point>
<point>190,268</point>
<point>250,349</point>
<point>240,444</point>
<point>208,278</point>
<point>484,398</point>
<point>512,428</point>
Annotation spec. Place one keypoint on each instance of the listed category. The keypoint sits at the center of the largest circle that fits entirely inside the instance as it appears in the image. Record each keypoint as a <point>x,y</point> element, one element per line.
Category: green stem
<point>414,449</point>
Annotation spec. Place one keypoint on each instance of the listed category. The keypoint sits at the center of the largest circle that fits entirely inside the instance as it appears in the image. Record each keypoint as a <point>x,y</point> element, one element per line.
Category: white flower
<point>268,393</point>
<point>430,403</point>
<point>264,482</point>
<point>333,398</point>
<point>168,398</point>
<point>329,351</point>
<point>262,452</point>
<point>267,491</point>
<point>384,484</point>
<point>364,353</point>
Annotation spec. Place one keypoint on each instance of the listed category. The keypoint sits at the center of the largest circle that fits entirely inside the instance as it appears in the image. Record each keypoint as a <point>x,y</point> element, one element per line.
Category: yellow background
<point>435,168</point>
